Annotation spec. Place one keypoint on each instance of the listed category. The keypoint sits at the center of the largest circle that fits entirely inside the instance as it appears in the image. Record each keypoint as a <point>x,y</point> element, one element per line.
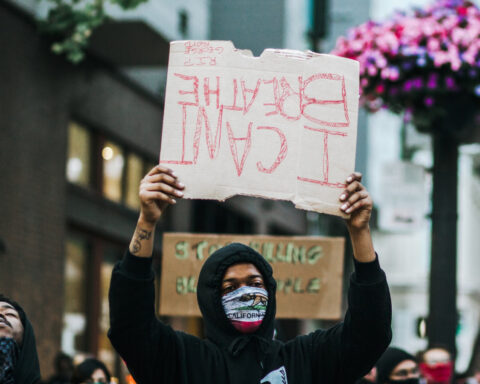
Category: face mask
<point>245,308</point>
<point>438,373</point>
<point>415,380</point>
<point>8,359</point>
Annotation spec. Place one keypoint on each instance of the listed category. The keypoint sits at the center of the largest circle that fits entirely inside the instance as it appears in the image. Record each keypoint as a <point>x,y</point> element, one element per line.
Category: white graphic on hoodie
<point>279,376</point>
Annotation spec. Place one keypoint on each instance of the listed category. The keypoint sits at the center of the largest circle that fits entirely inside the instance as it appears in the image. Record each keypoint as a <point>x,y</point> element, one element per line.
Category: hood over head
<point>389,360</point>
<point>218,328</point>
<point>27,369</point>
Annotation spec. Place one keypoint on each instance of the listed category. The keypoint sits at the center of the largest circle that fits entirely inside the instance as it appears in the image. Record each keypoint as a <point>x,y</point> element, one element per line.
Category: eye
<point>227,289</point>
<point>11,314</point>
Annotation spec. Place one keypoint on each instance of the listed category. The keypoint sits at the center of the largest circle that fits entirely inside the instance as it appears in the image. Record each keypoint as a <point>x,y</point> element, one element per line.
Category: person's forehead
<point>5,305</point>
<point>405,364</point>
<point>241,268</point>
<point>436,353</point>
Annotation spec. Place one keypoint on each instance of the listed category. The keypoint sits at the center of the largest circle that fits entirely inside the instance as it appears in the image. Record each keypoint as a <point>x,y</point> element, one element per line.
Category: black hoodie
<point>27,368</point>
<point>155,353</point>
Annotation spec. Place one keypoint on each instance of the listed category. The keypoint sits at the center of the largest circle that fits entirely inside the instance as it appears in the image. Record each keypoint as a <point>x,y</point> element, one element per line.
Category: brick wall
<point>39,93</point>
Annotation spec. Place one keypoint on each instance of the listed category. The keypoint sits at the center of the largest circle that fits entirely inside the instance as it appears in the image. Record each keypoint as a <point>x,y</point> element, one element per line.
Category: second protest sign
<point>308,271</point>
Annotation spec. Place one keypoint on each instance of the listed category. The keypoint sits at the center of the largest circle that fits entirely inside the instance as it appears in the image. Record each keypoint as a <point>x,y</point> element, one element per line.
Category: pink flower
<point>380,88</point>
<point>417,54</point>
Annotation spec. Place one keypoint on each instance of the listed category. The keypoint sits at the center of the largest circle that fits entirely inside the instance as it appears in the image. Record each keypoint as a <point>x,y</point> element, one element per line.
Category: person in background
<point>436,365</point>
<point>91,371</point>
<point>18,350</point>
<point>397,367</point>
<point>63,365</point>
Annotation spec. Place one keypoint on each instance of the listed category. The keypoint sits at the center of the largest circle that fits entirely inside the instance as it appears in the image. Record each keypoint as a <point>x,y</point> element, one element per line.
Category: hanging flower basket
<point>423,63</point>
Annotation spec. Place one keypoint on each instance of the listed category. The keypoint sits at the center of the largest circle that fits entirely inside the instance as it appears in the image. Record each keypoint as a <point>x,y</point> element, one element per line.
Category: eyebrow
<point>250,277</point>
<point>8,306</point>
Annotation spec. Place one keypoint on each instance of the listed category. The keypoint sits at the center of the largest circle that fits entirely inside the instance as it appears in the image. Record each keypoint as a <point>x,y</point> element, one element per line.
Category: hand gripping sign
<point>279,126</point>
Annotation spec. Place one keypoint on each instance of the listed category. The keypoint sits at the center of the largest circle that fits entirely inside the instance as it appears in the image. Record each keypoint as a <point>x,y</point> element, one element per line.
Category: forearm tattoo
<point>140,234</point>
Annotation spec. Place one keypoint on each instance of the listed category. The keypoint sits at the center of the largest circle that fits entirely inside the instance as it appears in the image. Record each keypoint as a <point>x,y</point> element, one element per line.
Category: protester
<point>91,371</point>
<point>63,365</point>
<point>237,351</point>
<point>18,351</point>
<point>397,367</point>
<point>436,365</point>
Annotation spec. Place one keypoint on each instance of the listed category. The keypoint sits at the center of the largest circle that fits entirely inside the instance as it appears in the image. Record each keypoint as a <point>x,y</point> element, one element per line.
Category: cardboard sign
<point>308,271</point>
<point>279,126</point>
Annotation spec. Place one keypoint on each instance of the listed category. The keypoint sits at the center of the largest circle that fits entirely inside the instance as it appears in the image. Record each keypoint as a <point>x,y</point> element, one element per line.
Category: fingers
<point>160,169</point>
<point>162,184</point>
<point>158,196</point>
<point>355,195</point>
<point>355,176</point>
<point>165,188</point>
<point>166,179</point>
<point>355,201</point>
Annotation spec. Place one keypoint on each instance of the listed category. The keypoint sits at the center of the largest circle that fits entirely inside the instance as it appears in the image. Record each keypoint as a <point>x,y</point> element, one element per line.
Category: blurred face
<point>436,355</point>
<point>372,375</point>
<point>98,376</point>
<point>407,369</point>
<point>241,275</point>
<point>10,324</point>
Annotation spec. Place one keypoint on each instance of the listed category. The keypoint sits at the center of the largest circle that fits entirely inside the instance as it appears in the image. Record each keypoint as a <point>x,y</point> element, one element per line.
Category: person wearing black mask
<point>236,295</point>
<point>18,350</point>
<point>397,367</point>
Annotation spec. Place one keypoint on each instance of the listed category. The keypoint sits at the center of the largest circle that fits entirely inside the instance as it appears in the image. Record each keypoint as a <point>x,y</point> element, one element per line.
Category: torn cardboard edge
<point>202,73</point>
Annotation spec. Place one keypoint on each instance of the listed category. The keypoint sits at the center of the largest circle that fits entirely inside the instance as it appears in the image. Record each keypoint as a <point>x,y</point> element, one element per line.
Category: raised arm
<point>358,203</point>
<point>158,189</point>
<point>366,331</point>
<point>149,347</point>
<point>357,343</point>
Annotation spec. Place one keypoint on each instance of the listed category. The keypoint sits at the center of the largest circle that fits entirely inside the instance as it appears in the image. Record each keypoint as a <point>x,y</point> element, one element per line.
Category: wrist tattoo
<point>144,235</point>
<point>140,234</point>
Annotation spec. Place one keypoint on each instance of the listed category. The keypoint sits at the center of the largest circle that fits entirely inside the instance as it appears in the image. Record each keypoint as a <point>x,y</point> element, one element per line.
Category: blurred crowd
<point>82,369</point>
<point>431,366</point>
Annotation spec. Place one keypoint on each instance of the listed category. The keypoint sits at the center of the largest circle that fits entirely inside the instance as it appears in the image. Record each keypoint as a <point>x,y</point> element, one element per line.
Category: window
<point>119,170</point>
<point>135,173</point>
<point>78,156</point>
<point>106,352</point>
<point>113,163</point>
<point>183,23</point>
<point>74,334</point>
<point>89,262</point>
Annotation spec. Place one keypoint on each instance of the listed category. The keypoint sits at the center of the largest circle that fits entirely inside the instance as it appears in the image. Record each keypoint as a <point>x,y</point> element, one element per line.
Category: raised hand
<point>158,189</point>
<point>356,202</point>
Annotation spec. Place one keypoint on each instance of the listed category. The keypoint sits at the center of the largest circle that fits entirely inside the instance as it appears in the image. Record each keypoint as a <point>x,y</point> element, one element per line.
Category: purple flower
<point>450,82</point>
<point>408,85</point>
<point>421,62</point>
<point>417,83</point>
<point>477,90</point>
<point>429,101</point>
<point>432,81</point>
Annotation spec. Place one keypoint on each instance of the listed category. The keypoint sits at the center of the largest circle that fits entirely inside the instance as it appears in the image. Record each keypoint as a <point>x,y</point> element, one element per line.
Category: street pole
<point>442,319</point>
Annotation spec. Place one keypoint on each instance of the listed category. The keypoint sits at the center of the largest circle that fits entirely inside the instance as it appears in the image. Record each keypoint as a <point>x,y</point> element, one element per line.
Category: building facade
<point>75,142</point>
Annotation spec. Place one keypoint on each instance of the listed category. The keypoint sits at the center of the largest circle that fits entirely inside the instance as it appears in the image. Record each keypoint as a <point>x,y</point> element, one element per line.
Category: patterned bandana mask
<point>245,308</point>
<point>8,359</point>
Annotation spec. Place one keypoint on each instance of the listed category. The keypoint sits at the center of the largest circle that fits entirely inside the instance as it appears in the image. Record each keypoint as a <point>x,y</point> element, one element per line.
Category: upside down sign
<point>279,126</point>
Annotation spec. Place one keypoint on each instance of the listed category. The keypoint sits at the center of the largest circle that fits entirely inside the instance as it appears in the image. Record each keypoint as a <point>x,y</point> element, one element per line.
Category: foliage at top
<point>71,23</point>
<point>418,61</point>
